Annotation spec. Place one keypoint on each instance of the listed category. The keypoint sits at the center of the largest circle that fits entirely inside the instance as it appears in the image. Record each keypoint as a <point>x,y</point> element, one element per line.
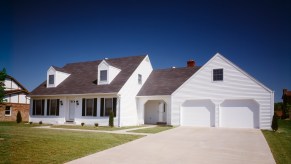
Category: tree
<point>275,123</point>
<point>111,119</point>
<point>18,117</point>
<point>2,85</point>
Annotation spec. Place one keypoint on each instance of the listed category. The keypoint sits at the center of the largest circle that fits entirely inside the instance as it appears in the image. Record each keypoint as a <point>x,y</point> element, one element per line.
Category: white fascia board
<point>86,94</point>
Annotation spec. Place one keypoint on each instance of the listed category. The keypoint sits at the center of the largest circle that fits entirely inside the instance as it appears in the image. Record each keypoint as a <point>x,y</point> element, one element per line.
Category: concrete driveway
<point>190,145</point>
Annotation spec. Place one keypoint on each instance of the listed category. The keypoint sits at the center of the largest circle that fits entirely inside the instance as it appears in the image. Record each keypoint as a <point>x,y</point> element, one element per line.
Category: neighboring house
<point>286,101</point>
<point>15,100</point>
<point>286,96</point>
<point>218,94</point>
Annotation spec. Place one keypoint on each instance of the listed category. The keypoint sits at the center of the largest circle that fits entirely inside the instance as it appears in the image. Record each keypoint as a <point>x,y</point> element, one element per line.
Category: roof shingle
<point>84,76</point>
<point>166,81</point>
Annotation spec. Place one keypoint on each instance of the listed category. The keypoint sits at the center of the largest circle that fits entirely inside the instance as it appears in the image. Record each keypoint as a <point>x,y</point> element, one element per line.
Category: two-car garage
<point>239,113</point>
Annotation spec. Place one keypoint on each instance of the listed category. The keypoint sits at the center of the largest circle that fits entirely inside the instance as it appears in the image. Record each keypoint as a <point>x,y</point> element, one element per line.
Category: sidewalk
<point>123,131</point>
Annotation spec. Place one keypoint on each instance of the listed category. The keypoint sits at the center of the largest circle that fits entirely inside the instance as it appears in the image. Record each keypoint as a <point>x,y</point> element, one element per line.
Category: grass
<point>106,128</point>
<point>20,143</point>
<point>280,142</point>
<point>153,130</point>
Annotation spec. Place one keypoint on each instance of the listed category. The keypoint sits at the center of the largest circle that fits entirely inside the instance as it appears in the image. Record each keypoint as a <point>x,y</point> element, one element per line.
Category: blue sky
<point>255,35</point>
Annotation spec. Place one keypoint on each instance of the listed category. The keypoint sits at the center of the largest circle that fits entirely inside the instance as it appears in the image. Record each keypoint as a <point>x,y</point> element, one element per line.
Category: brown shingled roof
<point>83,77</point>
<point>166,81</point>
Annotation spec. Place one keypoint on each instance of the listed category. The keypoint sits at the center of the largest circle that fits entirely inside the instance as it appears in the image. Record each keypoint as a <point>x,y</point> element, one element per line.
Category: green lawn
<point>85,127</point>
<point>20,143</point>
<point>156,129</point>
<point>280,142</point>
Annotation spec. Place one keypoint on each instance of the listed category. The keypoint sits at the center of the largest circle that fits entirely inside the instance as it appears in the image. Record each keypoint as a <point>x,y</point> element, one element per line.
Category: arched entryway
<point>155,112</point>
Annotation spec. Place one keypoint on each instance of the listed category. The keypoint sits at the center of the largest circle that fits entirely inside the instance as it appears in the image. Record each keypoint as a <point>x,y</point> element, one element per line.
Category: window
<point>51,79</point>
<point>38,107</point>
<point>218,75</point>
<point>107,105</point>
<point>53,107</point>
<point>139,79</point>
<point>103,75</point>
<point>8,111</point>
<point>89,107</point>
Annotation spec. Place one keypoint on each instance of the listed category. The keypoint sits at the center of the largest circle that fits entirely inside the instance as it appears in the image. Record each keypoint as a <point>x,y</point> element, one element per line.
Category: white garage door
<point>239,114</point>
<point>197,113</point>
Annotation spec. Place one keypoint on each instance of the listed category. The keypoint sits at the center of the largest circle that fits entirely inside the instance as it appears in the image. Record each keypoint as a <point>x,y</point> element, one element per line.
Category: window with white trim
<point>107,105</point>
<point>8,111</point>
<point>103,75</point>
<point>217,74</point>
<point>89,107</point>
<point>38,107</point>
<point>139,79</point>
<point>53,107</point>
<point>51,79</point>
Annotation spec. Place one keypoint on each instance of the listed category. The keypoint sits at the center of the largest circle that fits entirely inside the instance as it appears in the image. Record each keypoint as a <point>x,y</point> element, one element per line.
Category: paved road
<point>190,145</point>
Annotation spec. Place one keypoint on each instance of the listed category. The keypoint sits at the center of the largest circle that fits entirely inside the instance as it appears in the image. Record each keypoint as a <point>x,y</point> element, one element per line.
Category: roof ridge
<point>162,69</point>
<point>118,58</point>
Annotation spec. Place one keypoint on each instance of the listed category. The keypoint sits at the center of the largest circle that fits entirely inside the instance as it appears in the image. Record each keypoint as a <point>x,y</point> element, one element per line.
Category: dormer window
<point>51,79</point>
<point>55,76</point>
<point>103,75</point>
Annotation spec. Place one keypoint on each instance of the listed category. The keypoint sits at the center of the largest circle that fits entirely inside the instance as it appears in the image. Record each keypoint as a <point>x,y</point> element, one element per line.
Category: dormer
<point>106,73</point>
<point>55,76</point>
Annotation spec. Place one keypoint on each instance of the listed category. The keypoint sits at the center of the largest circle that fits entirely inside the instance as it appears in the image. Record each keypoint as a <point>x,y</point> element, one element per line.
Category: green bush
<point>111,119</point>
<point>18,117</point>
<point>275,123</point>
<point>82,123</point>
<point>96,124</point>
<point>40,122</point>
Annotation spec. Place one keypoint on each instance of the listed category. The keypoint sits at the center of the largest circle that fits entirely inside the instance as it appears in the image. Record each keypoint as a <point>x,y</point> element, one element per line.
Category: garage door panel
<point>198,113</point>
<point>239,114</point>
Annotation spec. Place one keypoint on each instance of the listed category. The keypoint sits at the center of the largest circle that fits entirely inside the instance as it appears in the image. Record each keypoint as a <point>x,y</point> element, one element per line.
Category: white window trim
<point>10,111</point>
<point>106,76</point>
<point>86,107</point>
<point>104,107</point>
<point>53,80</point>
<point>217,81</point>
<point>49,109</point>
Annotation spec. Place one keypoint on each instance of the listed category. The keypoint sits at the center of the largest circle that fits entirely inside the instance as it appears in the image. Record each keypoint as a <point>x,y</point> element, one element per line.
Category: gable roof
<point>218,55</point>
<point>59,69</point>
<point>83,78</point>
<point>18,83</point>
<point>166,81</point>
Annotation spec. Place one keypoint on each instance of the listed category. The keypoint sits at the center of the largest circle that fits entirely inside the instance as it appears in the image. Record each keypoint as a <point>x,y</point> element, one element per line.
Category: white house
<point>218,94</point>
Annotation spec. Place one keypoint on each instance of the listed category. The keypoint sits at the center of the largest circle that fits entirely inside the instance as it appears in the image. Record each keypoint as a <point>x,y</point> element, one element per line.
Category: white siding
<point>10,84</point>
<point>14,98</point>
<point>22,99</point>
<point>235,85</point>
<point>128,105</point>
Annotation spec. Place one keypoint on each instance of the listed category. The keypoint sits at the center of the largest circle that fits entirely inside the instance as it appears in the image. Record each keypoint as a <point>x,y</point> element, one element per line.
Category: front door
<point>72,110</point>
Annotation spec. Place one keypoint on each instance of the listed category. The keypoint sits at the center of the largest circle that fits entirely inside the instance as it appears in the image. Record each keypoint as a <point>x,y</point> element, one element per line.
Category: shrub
<point>18,117</point>
<point>96,124</point>
<point>82,123</point>
<point>111,119</point>
<point>30,122</point>
<point>40,122</point>
<point>275,123</point>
